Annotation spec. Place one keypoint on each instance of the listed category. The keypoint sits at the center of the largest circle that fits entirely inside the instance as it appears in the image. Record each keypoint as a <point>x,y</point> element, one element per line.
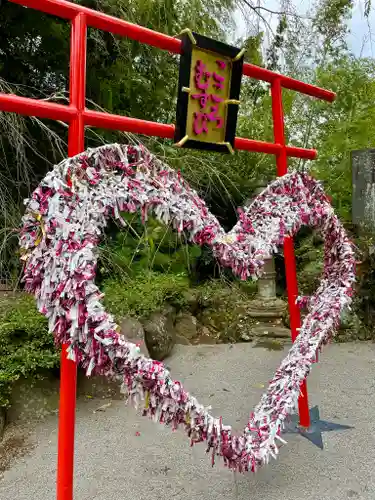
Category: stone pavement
<point>122,456</point>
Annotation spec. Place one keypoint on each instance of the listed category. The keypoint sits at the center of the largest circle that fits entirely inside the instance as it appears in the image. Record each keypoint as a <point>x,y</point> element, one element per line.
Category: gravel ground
<point>122,456</point>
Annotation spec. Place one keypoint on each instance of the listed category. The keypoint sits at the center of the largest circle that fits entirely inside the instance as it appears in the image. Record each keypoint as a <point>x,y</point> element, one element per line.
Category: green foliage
<point>26,346</point>
<point>144,294</point>
<point>331,20</point>
<point>150,246</point>
<point>214,292</point>
<point>347,125</point>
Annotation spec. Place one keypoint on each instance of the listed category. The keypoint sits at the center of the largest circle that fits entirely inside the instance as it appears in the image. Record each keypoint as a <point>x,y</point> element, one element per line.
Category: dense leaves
<point>26,347</point>
<point>145,294</point>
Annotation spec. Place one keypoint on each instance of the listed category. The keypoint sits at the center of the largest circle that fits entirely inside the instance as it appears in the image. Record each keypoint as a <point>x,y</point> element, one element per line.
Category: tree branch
<point>254,9</point>
<point>257,8</point>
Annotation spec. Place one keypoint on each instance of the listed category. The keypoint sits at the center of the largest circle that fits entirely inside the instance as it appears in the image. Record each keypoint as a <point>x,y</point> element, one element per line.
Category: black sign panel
<point>208,94</point>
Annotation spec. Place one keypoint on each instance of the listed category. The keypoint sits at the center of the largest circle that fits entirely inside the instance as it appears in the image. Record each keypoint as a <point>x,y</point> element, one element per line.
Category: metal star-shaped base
<point>317,427</point>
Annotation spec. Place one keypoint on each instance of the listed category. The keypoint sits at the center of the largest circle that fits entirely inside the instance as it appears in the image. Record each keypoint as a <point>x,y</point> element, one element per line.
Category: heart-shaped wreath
<point>62,226</point>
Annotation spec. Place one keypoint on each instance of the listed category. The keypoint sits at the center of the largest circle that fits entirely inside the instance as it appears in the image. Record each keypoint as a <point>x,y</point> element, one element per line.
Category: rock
<point>191,301</point>
<point>160,335</point>
<point>98,387</point>
<point>33,399</point>
<point>133,330</point>
<point>169,312</point>
<point>186,325</point>
<point>181,340</point>
<point>229,319</point>
<point>206,337</point>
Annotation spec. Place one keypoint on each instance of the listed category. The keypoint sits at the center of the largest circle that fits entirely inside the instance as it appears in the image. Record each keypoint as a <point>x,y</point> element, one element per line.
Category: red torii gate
<point>77,117</point>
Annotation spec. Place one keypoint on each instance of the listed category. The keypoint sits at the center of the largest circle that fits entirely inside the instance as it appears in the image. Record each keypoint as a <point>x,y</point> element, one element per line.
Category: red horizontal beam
<point>287,83</point>
<point>127,124</point>
<point>243,144</point>
<point>99,20</point>
<point>33,107</point>
<point>136,126</point>
<point>305,154</point>
<point>44,109</point>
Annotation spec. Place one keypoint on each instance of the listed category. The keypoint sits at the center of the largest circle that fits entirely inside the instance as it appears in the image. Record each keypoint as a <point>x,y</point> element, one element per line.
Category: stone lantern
<point>266,306</point>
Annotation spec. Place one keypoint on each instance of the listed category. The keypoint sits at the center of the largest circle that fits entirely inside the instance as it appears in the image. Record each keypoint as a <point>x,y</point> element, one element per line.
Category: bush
<point>144,294</point>
<point>139,247</point>
<point>26,346</point>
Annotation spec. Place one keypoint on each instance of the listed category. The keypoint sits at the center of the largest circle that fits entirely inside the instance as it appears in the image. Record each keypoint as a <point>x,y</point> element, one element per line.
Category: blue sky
<point>361,39</point>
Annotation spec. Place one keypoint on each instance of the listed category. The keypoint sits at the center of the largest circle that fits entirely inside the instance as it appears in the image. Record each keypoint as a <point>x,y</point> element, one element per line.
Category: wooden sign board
<point>208,94</point>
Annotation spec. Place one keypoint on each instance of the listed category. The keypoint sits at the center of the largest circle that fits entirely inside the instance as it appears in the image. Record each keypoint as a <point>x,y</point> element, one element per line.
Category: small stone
<point>131,328</point>
<point>160,336</point>
<point>245,337</point>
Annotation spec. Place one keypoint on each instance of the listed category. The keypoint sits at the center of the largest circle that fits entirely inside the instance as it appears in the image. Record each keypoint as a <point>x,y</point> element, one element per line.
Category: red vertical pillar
<point>68,370</point>
<point>290,261</point>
